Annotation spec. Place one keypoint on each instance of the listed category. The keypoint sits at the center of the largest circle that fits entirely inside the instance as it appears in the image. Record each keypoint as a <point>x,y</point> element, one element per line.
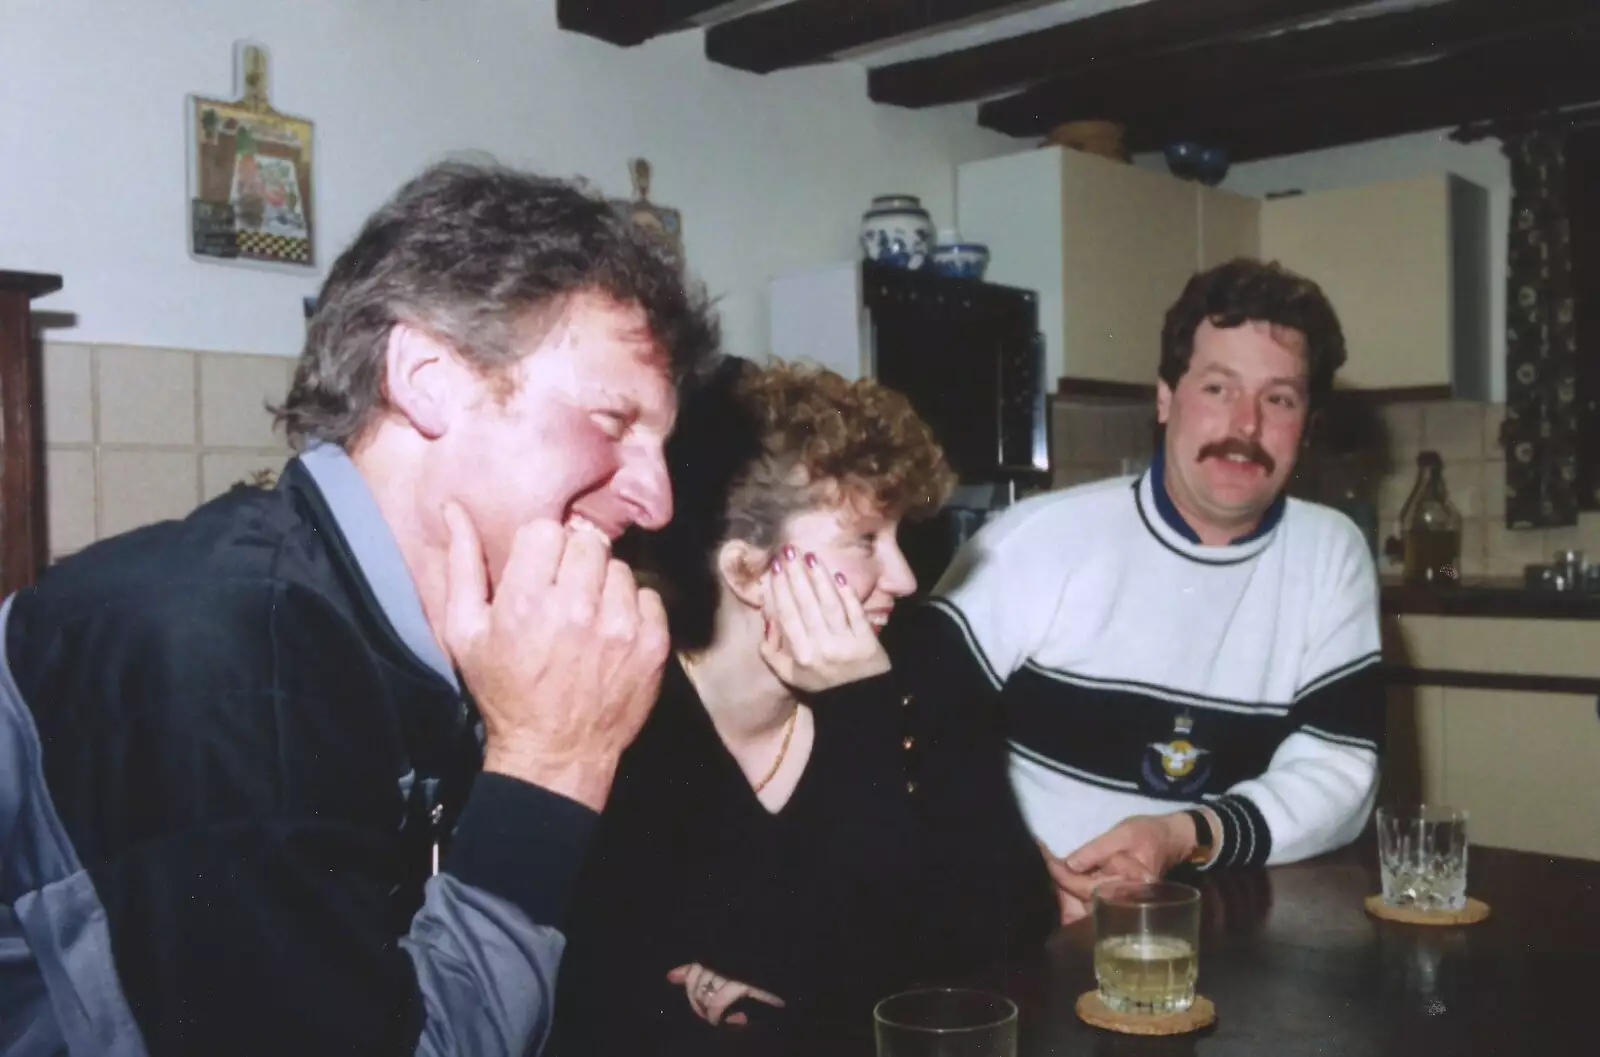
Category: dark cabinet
<point>970,358</point>
<point>23,546</point>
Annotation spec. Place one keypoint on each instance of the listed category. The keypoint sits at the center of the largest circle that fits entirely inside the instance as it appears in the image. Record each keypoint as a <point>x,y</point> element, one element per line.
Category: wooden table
<point>1297,967</point>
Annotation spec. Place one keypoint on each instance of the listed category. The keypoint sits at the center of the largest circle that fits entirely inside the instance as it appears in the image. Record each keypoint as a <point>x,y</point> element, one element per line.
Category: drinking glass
<point>946,1022</point>
<point>1146,945</point>
<point>1422,856</point>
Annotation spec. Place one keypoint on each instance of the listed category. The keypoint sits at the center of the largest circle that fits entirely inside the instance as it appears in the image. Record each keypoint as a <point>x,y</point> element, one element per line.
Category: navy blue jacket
<point>228,745</point>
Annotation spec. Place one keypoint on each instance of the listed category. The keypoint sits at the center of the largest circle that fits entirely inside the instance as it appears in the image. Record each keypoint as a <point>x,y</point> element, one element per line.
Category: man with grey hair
<point>312,770</point>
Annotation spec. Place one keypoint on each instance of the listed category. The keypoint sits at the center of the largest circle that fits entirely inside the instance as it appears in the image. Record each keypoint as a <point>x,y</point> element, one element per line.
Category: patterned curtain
<point>1542,409</point>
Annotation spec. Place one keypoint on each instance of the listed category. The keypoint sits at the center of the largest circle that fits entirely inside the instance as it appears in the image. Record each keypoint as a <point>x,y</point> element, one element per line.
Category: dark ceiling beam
<point>807,31</point>
<point>630,22</point>
<point>1494,82</point>
<point>1149,28</point>
<point>1242,69</point>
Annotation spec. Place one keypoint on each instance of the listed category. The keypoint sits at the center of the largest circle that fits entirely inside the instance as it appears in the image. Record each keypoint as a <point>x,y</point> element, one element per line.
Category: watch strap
<point>1205,841</point>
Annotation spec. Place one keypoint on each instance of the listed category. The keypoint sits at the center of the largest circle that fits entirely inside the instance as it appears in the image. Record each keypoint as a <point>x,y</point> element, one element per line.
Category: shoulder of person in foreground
<point>220,755</point>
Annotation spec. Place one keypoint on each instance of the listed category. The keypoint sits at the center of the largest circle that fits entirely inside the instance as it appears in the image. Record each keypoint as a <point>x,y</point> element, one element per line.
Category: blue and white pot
<point>897,231</point>
<point>961,260</point>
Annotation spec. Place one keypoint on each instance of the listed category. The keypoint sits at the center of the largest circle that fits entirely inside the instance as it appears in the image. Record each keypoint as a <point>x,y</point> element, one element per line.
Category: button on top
<point>908,742</point>
<point>906,700</point>
<point>911,787</point>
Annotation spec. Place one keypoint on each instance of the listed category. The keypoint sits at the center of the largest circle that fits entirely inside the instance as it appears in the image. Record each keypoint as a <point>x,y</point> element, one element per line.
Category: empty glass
<point>946,1022</point>
<point>1146,945</point>
<point>1422,856</point>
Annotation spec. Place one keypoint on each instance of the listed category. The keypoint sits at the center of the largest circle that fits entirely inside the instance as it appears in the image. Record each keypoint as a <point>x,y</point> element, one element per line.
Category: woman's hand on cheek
<point>817,634</point>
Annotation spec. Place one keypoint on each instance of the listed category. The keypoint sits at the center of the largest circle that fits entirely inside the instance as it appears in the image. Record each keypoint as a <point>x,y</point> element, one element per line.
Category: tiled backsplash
<point>135,435</point>
<point>1091,440</point>
<point>1467,437</point>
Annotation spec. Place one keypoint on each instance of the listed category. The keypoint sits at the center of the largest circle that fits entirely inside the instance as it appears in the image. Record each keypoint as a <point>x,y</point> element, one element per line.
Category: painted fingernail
<point>788,552</point>
<point>838,578</point>
<point>811,561</point>
<point>777,567</point>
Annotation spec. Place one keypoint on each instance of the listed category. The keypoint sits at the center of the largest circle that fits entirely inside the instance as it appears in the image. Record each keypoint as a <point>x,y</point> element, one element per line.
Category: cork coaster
<point>1094,1011</point>
<point>1475,911</point>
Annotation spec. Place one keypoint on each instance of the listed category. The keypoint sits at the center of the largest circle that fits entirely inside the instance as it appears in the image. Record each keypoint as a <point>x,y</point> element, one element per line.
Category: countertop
<point>1489,597</point>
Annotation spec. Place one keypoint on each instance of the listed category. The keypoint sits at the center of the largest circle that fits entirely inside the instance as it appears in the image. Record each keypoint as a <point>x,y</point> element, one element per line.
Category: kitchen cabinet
<point>1405,263</point>
<point>1106,245</point>
<point>1109,246</point>
<point>1230,226</point>
<point>1519,761</point>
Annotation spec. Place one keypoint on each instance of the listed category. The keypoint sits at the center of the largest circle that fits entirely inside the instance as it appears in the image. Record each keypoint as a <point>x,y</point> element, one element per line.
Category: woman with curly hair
<point>792,836</point>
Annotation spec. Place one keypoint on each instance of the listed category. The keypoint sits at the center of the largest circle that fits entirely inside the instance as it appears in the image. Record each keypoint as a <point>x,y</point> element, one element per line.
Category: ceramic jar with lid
<point>896,230</point>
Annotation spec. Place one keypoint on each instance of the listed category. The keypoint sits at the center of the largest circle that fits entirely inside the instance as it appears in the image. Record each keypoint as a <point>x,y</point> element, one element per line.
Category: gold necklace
<point>788,726</point>
<point>783,750</point>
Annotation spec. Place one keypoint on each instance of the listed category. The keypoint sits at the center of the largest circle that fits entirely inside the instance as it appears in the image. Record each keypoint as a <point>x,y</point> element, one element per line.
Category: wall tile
<point>1474,548</point>
<point>1085,433</point>
<point>1493,416</point>
<point>1402,424</point>
<point>68,393</point>
<point>1129,431</point>
<point>1393,491</point>
<point>138,487</point>
<point>1060,434</point>
<point>220,471</point>
<point>1589,536</point>
<point>1464,481</point>
<point>1509,550</point>
<point>1494,489</point>
<point>146,396</point>
<point>69,487</point>
<point>233,393</point>
<point>1454,429</point>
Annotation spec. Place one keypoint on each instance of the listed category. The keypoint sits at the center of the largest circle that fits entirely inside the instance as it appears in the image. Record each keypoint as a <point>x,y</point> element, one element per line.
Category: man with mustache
<point>1186,660</point>
<point>313,770</point>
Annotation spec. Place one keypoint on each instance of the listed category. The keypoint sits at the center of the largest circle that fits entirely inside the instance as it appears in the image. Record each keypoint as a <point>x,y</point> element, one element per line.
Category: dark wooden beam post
<point>802,32</point>
<point>1503,80</point>
<point>23,546</point>
<point>1243,70</point>
<point>630,22</point>
<point>1140,30</point>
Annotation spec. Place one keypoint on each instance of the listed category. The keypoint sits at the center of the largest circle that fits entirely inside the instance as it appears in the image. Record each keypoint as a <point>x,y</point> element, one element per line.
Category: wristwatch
<point>1204,842</point>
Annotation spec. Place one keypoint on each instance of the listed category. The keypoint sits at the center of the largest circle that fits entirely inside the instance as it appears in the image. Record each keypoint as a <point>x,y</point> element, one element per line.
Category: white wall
<point>771,173</point>
<point>1400,158</point>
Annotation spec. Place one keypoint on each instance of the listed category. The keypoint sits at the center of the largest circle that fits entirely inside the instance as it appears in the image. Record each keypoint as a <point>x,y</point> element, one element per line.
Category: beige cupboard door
<point>1382,253</point>
<point>1230,226</point>
<point>1523,765</point>
<point>1130,243</point>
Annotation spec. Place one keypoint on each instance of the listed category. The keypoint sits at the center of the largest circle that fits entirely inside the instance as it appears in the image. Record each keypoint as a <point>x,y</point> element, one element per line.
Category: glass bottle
<point>1430,528</point>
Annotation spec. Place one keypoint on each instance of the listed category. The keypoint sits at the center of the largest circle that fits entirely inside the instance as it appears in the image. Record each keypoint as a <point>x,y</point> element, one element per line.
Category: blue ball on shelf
<point>1213,166</point>
<point>1189,160</point>
<point>1183,159</point>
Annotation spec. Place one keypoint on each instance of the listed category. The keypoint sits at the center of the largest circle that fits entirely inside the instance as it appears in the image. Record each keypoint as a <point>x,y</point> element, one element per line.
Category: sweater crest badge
<point>1177,765</point>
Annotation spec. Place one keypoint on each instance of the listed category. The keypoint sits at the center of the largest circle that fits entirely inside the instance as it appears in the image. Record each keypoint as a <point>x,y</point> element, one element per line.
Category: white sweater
<point>1142,672</point>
